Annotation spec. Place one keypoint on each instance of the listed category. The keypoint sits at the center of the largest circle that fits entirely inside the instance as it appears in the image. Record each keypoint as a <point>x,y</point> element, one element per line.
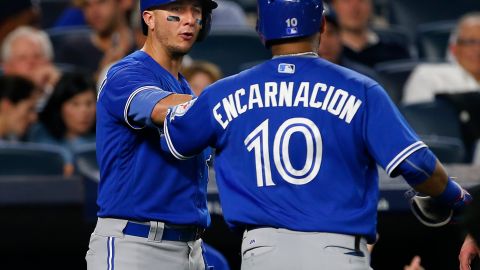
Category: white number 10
<point>291,22</point>
<point>258,139</point>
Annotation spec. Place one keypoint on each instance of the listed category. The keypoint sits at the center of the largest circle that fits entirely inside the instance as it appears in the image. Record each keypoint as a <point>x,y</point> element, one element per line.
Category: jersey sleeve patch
<point>181,109</point>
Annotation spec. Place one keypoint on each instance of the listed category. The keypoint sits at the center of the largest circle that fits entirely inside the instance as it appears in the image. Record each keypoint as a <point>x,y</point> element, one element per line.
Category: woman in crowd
<point>68,119</point>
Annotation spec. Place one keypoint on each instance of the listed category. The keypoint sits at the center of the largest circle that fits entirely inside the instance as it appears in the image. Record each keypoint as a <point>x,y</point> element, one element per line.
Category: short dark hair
<point>70,85</point>
<point>15,88</point>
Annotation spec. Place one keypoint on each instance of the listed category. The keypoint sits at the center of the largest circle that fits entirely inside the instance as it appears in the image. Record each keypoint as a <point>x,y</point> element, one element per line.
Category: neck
<point>477,77</point>
<point>3,130</point>
<point>295,47</point>
<point>355,39</point>
<point>172,63</point>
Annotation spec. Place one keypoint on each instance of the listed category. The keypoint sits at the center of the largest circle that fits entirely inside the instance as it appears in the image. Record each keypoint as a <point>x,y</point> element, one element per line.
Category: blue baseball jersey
<point>137,180</point>
<point>297,141</point>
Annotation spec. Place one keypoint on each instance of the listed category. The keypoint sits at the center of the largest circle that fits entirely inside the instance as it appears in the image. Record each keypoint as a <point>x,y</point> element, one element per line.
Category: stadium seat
<point>411,13</point>
<point>397,35</point>
<point>86,161</point>
<point>438,125</point>
<point>51,10</point>
<point>87,167</point>
<point>215,258</point>
<point>31,159</point>
<point>219,45</point>
<point>432,40</point>
<point>393,75</point>
<point>59,35</point>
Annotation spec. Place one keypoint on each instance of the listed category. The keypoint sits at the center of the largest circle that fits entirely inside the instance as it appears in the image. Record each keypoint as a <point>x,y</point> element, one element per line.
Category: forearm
<point>435,184</point>
<point>160,110</point>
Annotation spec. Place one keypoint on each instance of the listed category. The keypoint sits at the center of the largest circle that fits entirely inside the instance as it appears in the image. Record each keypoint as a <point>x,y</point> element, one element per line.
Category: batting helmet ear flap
<point>206,24</point>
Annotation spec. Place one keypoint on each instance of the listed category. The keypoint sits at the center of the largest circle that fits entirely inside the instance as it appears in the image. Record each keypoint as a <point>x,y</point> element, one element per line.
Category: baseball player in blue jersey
<point>152,207</point>
<point>297,144</point>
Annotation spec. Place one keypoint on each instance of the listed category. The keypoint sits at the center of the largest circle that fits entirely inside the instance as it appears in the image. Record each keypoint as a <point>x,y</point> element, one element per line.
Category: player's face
<point>178,36</point>
<point>78,113</point>
<point>467,49</point>
<point>353,15</point>
<point>102,15</point>
<point>331,45</point>
<point>26,55</point>
<point>20,116</point>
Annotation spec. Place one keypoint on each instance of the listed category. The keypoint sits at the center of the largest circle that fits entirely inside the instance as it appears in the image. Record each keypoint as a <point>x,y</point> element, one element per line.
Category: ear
<point>5,105</point>
<point>149,19</point>
<point>323,25</point>
<point>453,49</point>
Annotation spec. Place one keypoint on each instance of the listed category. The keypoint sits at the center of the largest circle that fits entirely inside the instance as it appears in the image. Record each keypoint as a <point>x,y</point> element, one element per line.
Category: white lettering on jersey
<point>302,95</point>
<point>255,97</point>
<point>286,94</point>
<point>218,116</point>
<point>337,102</point>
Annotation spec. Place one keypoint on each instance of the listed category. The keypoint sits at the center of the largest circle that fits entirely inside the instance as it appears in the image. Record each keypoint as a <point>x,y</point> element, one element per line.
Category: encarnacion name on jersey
<point>273,94</point>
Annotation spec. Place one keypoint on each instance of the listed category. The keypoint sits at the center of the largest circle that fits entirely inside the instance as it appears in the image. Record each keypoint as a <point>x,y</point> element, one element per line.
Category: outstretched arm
<point>160,110</point>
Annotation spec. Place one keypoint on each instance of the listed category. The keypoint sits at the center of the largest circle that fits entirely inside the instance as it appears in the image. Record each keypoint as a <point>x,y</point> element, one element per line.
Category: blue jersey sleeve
<point>188,128</point>
<point>389,137</point>
<point>126,86</point>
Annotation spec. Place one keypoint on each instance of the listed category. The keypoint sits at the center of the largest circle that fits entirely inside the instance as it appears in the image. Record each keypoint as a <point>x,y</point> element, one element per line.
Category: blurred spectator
<point>228,15</point>
<point>111,38</point>
<point>68,119</point>
<point>28,52</point>
<point>331,47</point>
<point>461,75</point>
<point>136,26</point>
<point>17,13</point>
<point>71,16</point>
<point>201,74</point>
<point>361,43</point>
<point>18,97</point>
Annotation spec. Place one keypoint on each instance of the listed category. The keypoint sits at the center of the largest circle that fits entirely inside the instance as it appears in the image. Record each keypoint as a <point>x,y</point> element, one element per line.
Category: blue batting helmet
<point>281,19</point>
<point>207,7</point>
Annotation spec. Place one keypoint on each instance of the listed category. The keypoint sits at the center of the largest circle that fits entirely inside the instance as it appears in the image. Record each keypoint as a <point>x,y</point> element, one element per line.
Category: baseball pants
<point>111,249</point>
<point>278,249</point>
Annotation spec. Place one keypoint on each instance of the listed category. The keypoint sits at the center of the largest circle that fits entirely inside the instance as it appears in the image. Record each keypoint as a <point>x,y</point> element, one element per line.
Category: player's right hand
<point>467,253</point>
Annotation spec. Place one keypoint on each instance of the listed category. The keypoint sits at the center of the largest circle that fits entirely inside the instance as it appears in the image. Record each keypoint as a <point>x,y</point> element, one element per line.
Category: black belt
<point>181,233</point>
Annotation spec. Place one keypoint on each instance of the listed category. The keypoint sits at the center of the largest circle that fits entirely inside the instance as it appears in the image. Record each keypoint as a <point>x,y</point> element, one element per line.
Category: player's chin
<point>183,48</point>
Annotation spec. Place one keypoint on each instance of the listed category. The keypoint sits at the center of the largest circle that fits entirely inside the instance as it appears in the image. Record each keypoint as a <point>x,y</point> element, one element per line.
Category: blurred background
<point>55,54</point>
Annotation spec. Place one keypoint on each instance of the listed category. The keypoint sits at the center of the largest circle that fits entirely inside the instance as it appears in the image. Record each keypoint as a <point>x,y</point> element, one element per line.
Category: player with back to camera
<point>152,207</point>
<point>297,142</point>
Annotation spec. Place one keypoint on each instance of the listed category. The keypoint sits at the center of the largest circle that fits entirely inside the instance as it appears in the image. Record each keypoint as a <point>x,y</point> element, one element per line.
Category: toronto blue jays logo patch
<point>181,109</point>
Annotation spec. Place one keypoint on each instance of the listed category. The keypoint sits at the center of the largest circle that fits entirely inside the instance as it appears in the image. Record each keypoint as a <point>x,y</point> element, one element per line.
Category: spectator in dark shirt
<point>331,47</point>
<point>111,38</point>
<point>361,43</point>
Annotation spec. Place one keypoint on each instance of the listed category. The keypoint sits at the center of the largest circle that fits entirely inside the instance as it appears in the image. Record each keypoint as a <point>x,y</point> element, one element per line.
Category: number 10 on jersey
<point>258,140</point>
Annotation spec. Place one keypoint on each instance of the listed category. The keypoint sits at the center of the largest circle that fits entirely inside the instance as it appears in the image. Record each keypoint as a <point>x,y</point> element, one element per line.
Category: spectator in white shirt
<point>461,75</point>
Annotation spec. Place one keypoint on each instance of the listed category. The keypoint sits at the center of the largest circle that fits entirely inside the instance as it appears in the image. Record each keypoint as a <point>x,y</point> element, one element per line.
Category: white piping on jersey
<point>172,149</point>
<point>403,155</point>
<point>111,253</point>
<point>303,54</point>
<point>130,98</point>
